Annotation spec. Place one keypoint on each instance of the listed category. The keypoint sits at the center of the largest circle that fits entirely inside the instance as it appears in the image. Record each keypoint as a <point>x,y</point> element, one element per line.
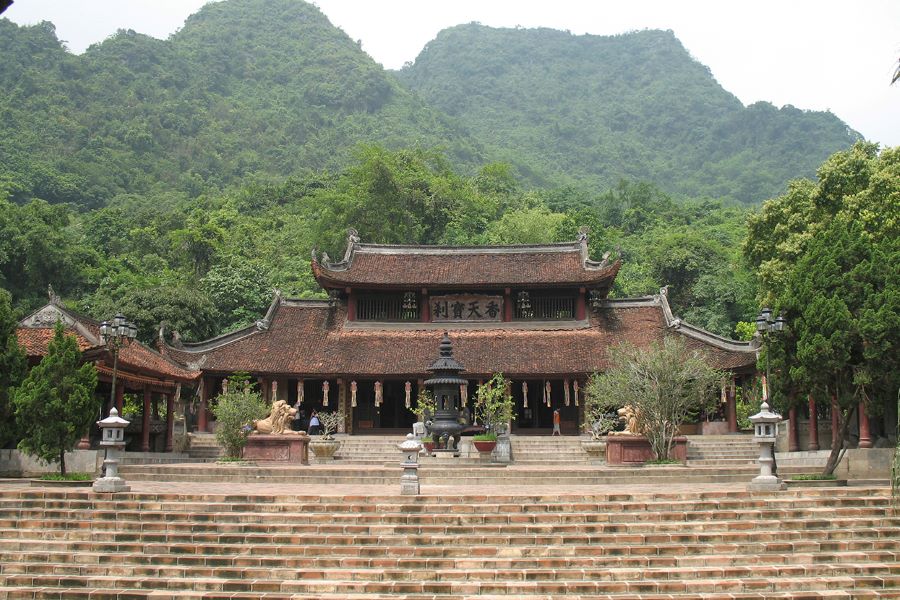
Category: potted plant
<point>494,408</point>
<point>424,410</point>
<point>597,420</point>
<point>485,442</point>
<point>325,446</point>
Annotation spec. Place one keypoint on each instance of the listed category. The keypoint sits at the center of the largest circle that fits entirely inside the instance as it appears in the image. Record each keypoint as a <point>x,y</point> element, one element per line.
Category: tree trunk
<point>62,462</point>
<point>835,457</point>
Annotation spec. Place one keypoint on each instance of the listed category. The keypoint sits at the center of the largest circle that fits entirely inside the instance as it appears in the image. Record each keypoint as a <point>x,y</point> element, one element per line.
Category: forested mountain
<point>182,180</point>
<point>271,88</point>
<point>245,87</point>
<point>591,110</point>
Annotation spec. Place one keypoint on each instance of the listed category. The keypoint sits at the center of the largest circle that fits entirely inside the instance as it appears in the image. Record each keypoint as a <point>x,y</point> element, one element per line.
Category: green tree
<point>56,402</point>
<point>13,366</point>
<point>826,253</point>
<point>665,384</point>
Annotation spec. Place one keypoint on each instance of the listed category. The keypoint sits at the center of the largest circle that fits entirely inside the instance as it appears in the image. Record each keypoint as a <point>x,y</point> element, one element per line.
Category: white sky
<point>814,54</point>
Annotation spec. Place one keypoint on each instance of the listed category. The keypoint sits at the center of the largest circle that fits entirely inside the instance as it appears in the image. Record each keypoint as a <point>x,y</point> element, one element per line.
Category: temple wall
<point>14,463</point>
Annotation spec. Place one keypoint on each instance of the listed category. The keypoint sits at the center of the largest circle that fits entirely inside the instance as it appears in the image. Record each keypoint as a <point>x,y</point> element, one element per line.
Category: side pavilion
<point>141,371</point>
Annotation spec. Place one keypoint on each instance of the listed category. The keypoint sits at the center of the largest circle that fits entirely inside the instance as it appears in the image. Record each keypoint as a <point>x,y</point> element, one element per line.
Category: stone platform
<point>292,448</point>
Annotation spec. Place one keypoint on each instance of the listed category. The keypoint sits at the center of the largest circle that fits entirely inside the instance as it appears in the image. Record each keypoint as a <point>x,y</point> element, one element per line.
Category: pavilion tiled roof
<point>36,341</point>
<point>35,337</point>
<point>315,339</point>
<point>446,267</point>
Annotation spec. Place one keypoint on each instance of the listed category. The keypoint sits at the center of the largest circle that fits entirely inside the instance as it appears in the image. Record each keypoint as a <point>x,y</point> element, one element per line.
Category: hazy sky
<point>814,54</point>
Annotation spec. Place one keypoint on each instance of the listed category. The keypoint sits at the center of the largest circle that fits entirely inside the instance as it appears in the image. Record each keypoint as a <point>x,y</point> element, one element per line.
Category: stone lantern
<point>113,438</point>
<point>445,383</point>
<point>765,430</point>
<point>409,481</point>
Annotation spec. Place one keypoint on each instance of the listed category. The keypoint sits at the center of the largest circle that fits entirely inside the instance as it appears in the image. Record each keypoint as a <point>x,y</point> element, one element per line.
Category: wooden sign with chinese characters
<point>466,307</point>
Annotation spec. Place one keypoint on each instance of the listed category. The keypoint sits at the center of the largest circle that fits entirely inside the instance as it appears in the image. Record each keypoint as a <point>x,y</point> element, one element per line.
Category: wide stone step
<point>468,572</point>
<point>147,520</point>
<point>538,583</point>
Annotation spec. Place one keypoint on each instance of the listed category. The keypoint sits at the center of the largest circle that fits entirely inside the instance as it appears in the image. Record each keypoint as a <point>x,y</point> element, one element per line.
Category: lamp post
<point>766,326</point>
<point>765,422</point>
<point>115,334</point>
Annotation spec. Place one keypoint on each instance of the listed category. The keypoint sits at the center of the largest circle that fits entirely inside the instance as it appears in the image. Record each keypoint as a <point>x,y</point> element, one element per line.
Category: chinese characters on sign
<point>466,308</point>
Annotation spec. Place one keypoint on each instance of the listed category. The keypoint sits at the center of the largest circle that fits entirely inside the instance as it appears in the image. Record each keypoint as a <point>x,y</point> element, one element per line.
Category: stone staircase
<point>722,450</point>
<point>542,450</point>
<point>204,447</point>
<point>837,542</point>
<point>369,449</point>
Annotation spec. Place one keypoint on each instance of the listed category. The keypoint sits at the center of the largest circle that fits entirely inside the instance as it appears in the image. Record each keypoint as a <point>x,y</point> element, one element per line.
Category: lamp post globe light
<point>115,334</point>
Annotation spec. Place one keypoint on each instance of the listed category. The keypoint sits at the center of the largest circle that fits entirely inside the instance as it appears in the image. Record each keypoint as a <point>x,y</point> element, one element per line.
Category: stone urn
<point>324,449</point>
<point>596,449</point>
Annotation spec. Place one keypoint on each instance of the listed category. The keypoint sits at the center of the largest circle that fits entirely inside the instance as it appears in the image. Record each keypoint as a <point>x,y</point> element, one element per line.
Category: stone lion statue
<point>279,419</point>
<point>631,416</point>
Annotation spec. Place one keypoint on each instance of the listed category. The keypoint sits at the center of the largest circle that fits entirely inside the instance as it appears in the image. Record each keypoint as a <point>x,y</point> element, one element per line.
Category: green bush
<point>66,477</point>
<point>235,412</point>
<point>485,437</point>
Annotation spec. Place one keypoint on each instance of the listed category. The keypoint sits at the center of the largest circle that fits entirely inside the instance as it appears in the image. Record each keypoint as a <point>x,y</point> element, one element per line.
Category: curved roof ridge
<point>699,333</point>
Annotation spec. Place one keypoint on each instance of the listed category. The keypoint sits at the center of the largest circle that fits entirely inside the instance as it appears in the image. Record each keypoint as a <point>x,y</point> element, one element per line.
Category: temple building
<point>155,381</point>
<point>539,314</point>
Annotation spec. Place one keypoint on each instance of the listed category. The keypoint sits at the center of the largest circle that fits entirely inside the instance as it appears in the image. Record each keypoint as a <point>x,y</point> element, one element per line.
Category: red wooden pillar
<point>813,425</point>
<point>793,431</point>
<point>202,424</point>
<point>351,305</point>
<point>426,307</point>
<point>835,421</point>
<point>145,421</point>
<point>120,398</point>
<point>865,437</point>
<point>507,305</point>
<point>170,422</point>
<point>580,308</point>
<point>731,406</point>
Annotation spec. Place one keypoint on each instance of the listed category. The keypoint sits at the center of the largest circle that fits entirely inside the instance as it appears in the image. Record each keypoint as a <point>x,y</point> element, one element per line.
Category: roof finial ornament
<point>326,260</point>
<point>583,232</point>
<point>352,236</point>
<point>54,298</point>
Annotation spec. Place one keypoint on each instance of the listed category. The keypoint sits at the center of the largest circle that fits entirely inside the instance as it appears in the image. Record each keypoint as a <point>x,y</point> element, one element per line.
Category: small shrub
<point>485,437</point>
<point>814,477</point>
<point>330,422</point>
<point>66,477</point>
<point>494,404</point>
<point>235,412</point>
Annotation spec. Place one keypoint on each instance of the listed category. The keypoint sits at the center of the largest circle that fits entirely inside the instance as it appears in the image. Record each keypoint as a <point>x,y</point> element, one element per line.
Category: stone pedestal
<point>766,481</point>
<point>595,449</point>
<point>635,450</point>
<point>284,447</point>
<point>503,452</point>
<point>112,483</point>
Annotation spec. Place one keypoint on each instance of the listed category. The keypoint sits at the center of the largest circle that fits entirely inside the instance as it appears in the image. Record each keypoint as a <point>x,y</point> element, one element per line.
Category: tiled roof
<point>135,356</point>
<point>312,339</point>
<point>36,341</point>
<point>444,267</point>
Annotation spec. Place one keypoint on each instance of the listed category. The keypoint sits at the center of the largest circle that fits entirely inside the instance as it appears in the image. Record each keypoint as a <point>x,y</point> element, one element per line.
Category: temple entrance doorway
<point>391,416</point>
<point>535,417</point>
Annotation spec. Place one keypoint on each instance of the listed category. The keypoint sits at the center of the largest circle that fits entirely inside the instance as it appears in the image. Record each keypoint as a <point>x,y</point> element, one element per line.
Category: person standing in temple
<point>556,422</point>
<point>315,425</point>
